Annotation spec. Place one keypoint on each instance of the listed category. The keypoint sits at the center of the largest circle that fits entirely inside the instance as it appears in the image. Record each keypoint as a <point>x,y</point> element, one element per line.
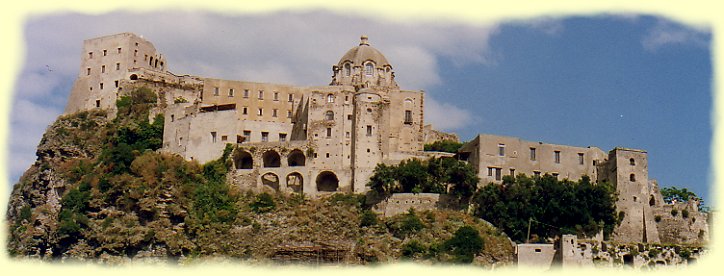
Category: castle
<point>325,139</point>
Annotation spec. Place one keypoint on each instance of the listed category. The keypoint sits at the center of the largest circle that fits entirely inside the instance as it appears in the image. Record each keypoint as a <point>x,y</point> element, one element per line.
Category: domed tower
<point>363,67</point>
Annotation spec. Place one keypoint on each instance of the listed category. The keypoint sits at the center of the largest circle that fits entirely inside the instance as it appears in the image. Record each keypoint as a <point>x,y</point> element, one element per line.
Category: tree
<point>444,146</point>
<point>672,194</point>
<point>465,244</point>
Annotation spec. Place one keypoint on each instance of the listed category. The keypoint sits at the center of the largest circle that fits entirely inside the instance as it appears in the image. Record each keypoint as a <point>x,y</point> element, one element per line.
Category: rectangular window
<point>291,98</point>
<point>239,139</point>
<point>118,66</point>
<point>512,172</point>
<point>246,93</point>
<point>349,116</point>
<point>274,113</point>
<point>261,94</point>
<point>103,68</point>
<point>101,85</point>
<point>90,55</point>
<point>216,91</point>
<point>501,149</point>
<point>289,113</point>
<point>135,53</point>
<point>247,135</point>
<point>580,158</point>
<point>105,52</point>
<point>276,96</point>
<point>231,92</point>
<point>98,103</point>
<point>557,156</point>
<point>119,50</point>
<point>265,136</point>
<point>532,154</point>
<point>282,137</point>
<point>213,137</point>
<point>224,138</point>
<point>346,134</point>
<point>116,83</point>
<point>261,112</point>
<point>408,117</point>
<point>490,171</point>
<point>369,130</point>
<point>244,110</point>
<point>329,132</point>
<point>498,173</point>
<point>88,71</point>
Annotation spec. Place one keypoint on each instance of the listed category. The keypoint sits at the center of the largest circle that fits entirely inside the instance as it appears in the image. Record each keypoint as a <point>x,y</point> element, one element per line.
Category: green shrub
<point>465,244</point>
<point>444,146</point>
<point>653,252</point>
<point>263,202</point>
<point>25,213</point>
<point>412,249</point>
<point>368,218</point>
<point>405,225</point>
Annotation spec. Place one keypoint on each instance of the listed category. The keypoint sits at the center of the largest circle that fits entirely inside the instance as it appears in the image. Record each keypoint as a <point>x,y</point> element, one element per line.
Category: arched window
<point>243,160</point>
<point>329,115</point>
<point>296,158</point>
<point>632,162</point>
<point>632,177</point>
<point>330,98</point>
<point>369,68</point>
<point>271,159</point>
<point>270,181</point>
<point>347,70</point>
<point>327,182</point>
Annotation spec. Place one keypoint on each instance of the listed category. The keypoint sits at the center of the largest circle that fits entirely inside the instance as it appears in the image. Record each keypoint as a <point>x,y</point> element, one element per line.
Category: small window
<point>490,171</point>
<point>289,113</point>
<point>246,93</point>
<point>213,137</point>
<point>101,85</point>
<point>329,132</point>
<point>172,117</point>
<point>216,91</point>
<point>231,92</point>
<point>276,96</point>
<point>90,88</point>
<point>330,98</point>
<point>224,138</point>
<point>135,52</point>
<point>244,110</point>
<point>98,103</point>
<point>88,71</point>
<point>369,68</point>
<point>329,115</point>
<point>261,112</point>
<point>291,98</point>
<point>247,135</point>
<point>105,52</point>
<point>632,177</point>
<point>349,116</point>
<point>118,66</point>
<point>580,158</point>
<point>346,134</point>
<point>408,117</point>
<point>103,68</point>
<point>532,154</point>
<point>498,173</point>
<point>512,172</point>
<point>90,55</point>
<point>347,70</point>
<point>265,136</point>
<point>282,137</point>
<point>274,113</point>
<point>536,173</point>
<point>116,83</point>
<point>369,130</point>
<point>119,50</point>
<point>632,162</point>
<point>557,156</point>
<point>261,94</point>
<point>501,149</point>
<point>555,175</point>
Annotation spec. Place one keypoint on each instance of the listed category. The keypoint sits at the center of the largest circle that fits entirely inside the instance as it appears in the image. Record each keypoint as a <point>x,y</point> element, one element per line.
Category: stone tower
<point>105,61</point>
<point>628,169</point>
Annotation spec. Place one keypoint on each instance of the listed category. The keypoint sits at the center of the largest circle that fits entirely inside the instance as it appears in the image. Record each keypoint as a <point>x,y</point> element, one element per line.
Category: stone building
<point>323,139</point>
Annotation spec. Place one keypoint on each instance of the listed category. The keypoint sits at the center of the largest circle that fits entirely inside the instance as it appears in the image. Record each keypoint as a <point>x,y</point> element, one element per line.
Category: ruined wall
<point>400,203</point>
<point>681,223</point>
<point>432,135</point>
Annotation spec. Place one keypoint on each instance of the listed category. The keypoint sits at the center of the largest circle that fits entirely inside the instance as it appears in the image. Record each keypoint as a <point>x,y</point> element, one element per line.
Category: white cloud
<point>291,48</point>
<point>667,33</point>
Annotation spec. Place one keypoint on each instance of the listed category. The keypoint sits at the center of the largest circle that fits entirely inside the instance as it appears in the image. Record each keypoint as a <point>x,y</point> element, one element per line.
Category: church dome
<point>363,53</point>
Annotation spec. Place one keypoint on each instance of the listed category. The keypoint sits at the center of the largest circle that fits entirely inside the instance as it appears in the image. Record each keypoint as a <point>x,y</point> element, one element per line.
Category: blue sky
<point>632,81</point>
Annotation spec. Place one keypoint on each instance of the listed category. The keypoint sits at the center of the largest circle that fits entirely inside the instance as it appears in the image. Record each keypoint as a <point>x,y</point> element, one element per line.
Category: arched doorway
<point>327,182</point>
<point>270,181</point>
<point>134,77</point>
<point>243,160</point>
<point>295,182</point>
<point>271,159</point>
<point>296,158</point>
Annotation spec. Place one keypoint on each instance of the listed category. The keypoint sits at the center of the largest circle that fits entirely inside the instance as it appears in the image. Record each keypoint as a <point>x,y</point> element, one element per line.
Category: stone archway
<point>327,182</point>
<point>243,160</point>
<point>295,181</point>
<point>270,181</point>
<point>296,158</point>
<point>271,159</point>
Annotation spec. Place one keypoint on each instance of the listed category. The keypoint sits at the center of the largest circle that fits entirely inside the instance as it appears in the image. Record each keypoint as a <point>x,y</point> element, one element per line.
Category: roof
<point>362,53</point>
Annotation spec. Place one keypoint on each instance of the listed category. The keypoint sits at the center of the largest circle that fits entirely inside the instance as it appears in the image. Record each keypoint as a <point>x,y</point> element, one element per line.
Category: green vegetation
<point>465,244</point>
<point>406,225</point>
<point>262,203</point>
<point>436,175</point>
<point>557,207</point>
<point>444,146</point>
<point>674,194</point>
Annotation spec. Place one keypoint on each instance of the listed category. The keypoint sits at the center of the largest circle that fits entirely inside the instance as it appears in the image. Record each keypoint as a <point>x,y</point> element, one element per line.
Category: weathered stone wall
<point>685,225</point>
<point>432,135</point>
<point>400,203</point>
<point>535,256</point>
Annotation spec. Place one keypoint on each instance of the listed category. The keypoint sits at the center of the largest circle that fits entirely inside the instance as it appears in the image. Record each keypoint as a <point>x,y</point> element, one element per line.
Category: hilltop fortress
<point>326,139</point>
